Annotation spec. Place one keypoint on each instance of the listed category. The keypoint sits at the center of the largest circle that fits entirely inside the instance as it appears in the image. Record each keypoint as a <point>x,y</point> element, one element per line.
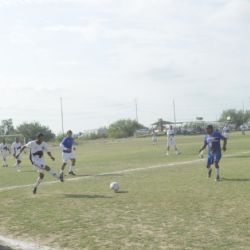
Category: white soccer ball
<point>228,118</point>
<point>114,186</point>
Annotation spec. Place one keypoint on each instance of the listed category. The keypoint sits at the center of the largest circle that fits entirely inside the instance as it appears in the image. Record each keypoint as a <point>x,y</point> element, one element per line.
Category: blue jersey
<point>67,143</point>
<point>213,142</point>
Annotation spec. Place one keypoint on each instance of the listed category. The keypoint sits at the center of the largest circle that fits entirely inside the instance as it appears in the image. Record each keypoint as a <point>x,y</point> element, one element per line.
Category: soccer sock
<point>217,172</point>
<point>52,173</point>
<point>71,168</point>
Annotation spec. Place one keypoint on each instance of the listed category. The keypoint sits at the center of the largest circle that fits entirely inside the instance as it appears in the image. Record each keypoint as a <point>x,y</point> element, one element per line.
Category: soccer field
<point>165,202</point>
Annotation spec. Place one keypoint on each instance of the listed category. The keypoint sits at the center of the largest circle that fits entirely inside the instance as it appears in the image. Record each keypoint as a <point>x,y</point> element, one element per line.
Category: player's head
<point>17,139</point>
<point>210,129</point>
<point>4,141</point>
<point>69,133</point>
<point>170,127</point>
<point>40,137</point>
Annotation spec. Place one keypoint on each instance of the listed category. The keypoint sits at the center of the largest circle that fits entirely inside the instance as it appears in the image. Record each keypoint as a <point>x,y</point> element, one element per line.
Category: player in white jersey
<point>171,140</point>
<point>154,137</point>
<point>4,150</point>
<point>15,149</point>
<point>37,149</point>
<point>225,131</point>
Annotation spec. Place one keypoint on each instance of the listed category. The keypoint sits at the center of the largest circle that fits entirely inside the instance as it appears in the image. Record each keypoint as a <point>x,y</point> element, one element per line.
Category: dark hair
<point>39,135</point>
<point>210,126</point>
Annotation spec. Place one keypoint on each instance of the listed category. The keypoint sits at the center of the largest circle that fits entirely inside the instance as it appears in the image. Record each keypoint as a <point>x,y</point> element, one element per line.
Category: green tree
<point>30,131</point>
<point>123,128</point>
<point>7,127</point>
<point>238,117</point>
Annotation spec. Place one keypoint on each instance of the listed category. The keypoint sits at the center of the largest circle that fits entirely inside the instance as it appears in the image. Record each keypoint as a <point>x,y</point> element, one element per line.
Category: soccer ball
<point>114,186</point>
<point>228,118</point>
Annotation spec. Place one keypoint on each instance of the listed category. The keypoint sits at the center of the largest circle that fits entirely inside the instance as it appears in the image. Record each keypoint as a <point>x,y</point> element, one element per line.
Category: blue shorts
<point>213,157</point>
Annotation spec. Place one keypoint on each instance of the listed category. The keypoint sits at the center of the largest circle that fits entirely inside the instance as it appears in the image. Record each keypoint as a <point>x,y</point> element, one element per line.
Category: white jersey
<point>16,147</point>
<point>37,150</point>
<point>3,148</point>
<point>170,133</point>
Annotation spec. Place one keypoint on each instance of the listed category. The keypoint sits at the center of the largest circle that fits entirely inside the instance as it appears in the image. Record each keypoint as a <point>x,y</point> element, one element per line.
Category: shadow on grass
<point>87,196</point>
<point>236,179</point>
<point>121,192</point>
<point>5,248</point>
<point>239,156</point>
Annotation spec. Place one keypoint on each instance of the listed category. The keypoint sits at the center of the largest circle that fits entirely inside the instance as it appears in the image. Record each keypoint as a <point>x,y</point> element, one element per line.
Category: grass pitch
<point>171,207</point>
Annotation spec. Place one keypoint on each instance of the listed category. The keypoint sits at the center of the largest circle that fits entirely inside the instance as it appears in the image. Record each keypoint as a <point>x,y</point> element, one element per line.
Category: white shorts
<point>68,156</point>
<point>171,141</point>
<point>39,163</point>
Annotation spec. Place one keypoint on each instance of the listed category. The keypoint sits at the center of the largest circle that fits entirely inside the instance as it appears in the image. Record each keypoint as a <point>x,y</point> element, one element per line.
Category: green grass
<point>163,208</point>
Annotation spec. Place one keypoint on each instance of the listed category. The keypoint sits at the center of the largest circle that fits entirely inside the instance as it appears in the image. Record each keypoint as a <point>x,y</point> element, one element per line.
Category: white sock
<point>217,172</point>
<point>52,173</point>
<point>71,168</point>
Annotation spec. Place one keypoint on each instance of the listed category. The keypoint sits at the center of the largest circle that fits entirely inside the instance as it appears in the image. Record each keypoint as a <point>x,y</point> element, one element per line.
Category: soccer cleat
<point>209,173</point>
<point>71,173</point>
<point>178,152</point>
<point>34,190</point>
<point>217,178</point>
<point>61,177</point>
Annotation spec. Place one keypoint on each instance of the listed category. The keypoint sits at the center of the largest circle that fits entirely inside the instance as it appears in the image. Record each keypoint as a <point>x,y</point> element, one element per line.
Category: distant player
<point>226,131</point>
<point>154,137</point>
<point>67,147</point>
<point>212,141</point>
<point>15,150</point>
<point>37,149</point>
<point>171,141</point>
<point>4,150</point>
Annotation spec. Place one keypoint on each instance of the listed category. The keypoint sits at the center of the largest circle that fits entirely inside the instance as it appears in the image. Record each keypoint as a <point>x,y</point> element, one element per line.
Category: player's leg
<point>52,172</point>
<point>210,162</point>
<point>217,158</point>
<point>39,180</point>
<point>72,166</point>
<point>18,167</point>
<point>4,160</point>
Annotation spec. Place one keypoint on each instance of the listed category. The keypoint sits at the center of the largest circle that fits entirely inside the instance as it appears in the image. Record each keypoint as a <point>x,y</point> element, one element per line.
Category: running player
<point>37,149</point>
<point>67,154</point>
<point>225,131</point>
<point>4,150</point>
<point>15,149</point>
<point>212,140</point>
<point>171,141</point>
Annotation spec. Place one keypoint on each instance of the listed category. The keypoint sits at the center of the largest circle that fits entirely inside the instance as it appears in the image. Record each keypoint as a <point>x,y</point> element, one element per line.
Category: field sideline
<point>169,206</point>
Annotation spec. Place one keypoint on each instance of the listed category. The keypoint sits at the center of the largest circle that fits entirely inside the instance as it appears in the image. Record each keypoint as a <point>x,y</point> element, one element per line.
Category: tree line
<point>120,129</point>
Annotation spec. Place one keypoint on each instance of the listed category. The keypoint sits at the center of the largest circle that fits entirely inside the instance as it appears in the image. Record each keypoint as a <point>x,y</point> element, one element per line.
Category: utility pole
<point>136,110</point>
<point>62,115</point>
<point>174,113</point>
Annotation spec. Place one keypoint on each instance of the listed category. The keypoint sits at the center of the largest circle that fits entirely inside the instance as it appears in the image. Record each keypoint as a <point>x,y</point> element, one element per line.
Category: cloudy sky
<point>101,55</point>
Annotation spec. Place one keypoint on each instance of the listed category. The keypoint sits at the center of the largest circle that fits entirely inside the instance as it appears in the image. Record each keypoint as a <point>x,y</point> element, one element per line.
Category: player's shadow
<point>236,179</point>
<point>121,192</point>
<point>87,196</point>
<point>5,248</point>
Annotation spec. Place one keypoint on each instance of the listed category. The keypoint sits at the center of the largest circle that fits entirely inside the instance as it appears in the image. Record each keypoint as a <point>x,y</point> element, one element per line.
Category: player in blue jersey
<point>67,147</point>
<point>212,141</point>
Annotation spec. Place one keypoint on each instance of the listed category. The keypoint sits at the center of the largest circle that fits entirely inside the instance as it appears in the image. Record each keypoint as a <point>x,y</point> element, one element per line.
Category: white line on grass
<point>17,244</point>
<point>173,164</point>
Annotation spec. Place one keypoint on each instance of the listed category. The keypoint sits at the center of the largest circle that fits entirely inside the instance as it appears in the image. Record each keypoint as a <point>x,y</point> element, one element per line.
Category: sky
<point>100,56</point>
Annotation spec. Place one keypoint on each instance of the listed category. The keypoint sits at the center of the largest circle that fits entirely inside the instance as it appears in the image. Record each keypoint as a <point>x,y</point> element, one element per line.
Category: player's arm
<point>224,147</point>
<point>51,156</point>
<point>21,150</point>
<point>203,147</point>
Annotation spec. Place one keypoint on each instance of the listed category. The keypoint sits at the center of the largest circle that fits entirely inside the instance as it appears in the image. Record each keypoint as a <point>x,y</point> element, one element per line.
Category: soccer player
<point>225,131</point>
<point>67,154</point>
<point>37,148</point>
<point>212,141</point>
<point>15,149</point>
<point>171,141</point>
<point>4,150</point>
<point>154,137</point>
